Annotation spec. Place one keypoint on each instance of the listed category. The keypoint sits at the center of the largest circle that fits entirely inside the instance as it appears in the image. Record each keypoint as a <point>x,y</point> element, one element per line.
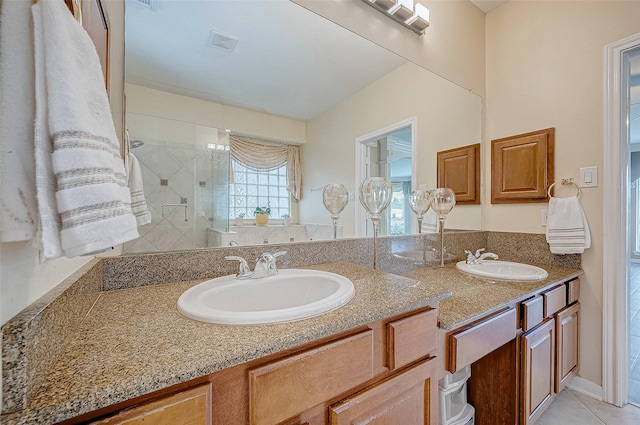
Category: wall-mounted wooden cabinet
<point>522,167</point>
<point>459,170</point>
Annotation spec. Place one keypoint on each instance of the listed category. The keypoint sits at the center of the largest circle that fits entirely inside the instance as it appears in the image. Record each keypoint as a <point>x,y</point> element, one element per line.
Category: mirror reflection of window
<point>258,188</point>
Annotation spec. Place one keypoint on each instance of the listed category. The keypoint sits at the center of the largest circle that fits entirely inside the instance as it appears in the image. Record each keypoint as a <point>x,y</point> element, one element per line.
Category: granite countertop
<point>474,297</point>
<point>134,341</point>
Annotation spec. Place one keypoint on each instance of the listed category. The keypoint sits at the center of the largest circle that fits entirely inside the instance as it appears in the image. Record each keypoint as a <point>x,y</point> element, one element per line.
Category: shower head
<point>135,144</point>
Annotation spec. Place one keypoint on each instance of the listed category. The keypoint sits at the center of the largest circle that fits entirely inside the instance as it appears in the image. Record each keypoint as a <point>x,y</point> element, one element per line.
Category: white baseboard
<point>586,387</point>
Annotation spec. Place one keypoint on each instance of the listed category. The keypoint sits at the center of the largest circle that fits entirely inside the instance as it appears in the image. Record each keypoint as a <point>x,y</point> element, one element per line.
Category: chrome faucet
<point>265,266</point>
<point>478,257</point>
<point>244,272</point>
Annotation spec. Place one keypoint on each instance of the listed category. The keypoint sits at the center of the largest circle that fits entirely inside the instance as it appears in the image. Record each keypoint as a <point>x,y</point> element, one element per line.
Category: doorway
<point>617,224</point>
<point>631,102</point>
<point>388,153</point>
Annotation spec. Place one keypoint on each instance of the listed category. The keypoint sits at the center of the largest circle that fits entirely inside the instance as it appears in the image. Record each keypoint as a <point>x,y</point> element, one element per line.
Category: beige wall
<point>545,63</point>
<point>447,116</point>
<point>156,103</point>
<point>452,46</point>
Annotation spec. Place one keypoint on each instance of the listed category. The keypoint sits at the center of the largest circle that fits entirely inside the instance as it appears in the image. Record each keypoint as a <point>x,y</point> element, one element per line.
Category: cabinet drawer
<point>532,313</point>
<point>407,398</point>
<point>471,344</point>
<point>412,338</point>
<point>554,300</point>
<point>573,291</point>
<point>282,389</point>
<point>189,407</point>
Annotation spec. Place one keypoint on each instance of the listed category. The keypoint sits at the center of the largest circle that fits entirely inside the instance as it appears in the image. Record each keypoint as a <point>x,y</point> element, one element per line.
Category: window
<point>253,188</point>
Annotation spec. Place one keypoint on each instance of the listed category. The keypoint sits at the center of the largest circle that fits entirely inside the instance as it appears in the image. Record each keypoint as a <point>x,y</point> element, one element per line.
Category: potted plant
<point>262,215</point>
<point>286,218</point>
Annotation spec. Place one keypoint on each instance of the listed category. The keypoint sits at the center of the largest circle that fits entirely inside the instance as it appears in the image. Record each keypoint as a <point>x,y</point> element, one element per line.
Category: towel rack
<point>564,182</point>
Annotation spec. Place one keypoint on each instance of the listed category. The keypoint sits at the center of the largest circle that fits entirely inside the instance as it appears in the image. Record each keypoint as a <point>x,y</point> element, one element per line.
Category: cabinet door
<point>567,364</point>
<point>538,352</point>
<point>408,398</point>
<point>189,407</point>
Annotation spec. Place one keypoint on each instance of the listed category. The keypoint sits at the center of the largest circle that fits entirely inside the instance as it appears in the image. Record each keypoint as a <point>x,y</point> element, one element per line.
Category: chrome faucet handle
<point>266,264</point>
<point>471,259</point>
<point>244,272</point>
<point>478,252</point>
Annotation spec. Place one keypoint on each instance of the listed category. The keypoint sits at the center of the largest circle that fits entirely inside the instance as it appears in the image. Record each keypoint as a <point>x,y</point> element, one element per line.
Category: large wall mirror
<point>200,73</point>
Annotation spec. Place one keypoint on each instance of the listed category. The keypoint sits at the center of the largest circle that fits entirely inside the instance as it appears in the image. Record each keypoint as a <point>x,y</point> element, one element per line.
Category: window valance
<point>262,155</point>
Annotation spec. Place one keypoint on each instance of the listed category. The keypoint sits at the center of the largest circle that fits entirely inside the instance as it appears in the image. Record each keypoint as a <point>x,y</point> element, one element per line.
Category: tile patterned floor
<point>571,407</point>
<point>634,337</point>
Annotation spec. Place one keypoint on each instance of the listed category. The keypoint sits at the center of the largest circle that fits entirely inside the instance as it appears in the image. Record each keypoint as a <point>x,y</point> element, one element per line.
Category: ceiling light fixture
<point>415,17</point>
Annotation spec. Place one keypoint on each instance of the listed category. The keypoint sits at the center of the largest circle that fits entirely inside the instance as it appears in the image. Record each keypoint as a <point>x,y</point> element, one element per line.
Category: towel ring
<point>563,181</point>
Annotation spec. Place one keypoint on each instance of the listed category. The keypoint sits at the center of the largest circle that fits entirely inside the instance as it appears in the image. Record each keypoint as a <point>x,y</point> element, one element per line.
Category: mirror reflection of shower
<point>185,183</point>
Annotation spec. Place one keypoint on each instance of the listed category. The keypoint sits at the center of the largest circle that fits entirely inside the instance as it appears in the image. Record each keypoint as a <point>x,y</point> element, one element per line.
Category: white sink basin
<point>292,294</point>
<point>503,270</point>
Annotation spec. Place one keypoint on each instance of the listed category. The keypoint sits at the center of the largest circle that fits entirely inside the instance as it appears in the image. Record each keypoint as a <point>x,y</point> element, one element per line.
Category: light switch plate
<point>589,177</point>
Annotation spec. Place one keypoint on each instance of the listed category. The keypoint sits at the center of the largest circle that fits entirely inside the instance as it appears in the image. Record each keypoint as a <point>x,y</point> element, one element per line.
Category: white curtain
<point>262,155</point>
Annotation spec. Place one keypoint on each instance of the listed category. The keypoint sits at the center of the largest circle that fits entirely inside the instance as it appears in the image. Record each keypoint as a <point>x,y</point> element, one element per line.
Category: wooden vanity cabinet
<point>408,398</point>
<point>549,352</point>
<point>382,373</point>
<point>567,347</point>
<point>188,407</point>
<point>537,349</point>
<point>517,381</point>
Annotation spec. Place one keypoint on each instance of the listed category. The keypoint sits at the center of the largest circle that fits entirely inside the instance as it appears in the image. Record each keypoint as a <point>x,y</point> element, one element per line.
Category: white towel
<point>567,227</point>
<point>430,223</point>
<point>48,237</point>
<point>92,197</point>
<point>138,203</point>
<point>18,211</point>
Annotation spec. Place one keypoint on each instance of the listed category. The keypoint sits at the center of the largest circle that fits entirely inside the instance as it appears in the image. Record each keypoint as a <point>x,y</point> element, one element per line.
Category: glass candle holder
<point>335,197</point>
<point>419,202</point>
<point>375,197</point>
<point>443,200</point>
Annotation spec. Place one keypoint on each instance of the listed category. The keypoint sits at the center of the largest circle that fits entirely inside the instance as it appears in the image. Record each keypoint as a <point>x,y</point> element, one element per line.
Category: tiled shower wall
<point>185,174</point>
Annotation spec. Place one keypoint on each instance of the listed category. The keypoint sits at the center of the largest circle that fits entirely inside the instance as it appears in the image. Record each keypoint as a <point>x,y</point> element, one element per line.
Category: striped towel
<point>84,203</point>
<point>567,228</point>
<point>134,180</point>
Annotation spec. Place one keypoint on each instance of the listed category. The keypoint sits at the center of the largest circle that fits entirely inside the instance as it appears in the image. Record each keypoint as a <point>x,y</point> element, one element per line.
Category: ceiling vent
<point>222,41</point>
<point>151,5</point>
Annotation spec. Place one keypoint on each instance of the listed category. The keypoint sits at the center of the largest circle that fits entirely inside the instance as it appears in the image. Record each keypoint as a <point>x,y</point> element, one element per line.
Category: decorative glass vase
<point>375,197</point>
<point>419,202</point>
<point>335,197</point>
<point>443,200</point>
